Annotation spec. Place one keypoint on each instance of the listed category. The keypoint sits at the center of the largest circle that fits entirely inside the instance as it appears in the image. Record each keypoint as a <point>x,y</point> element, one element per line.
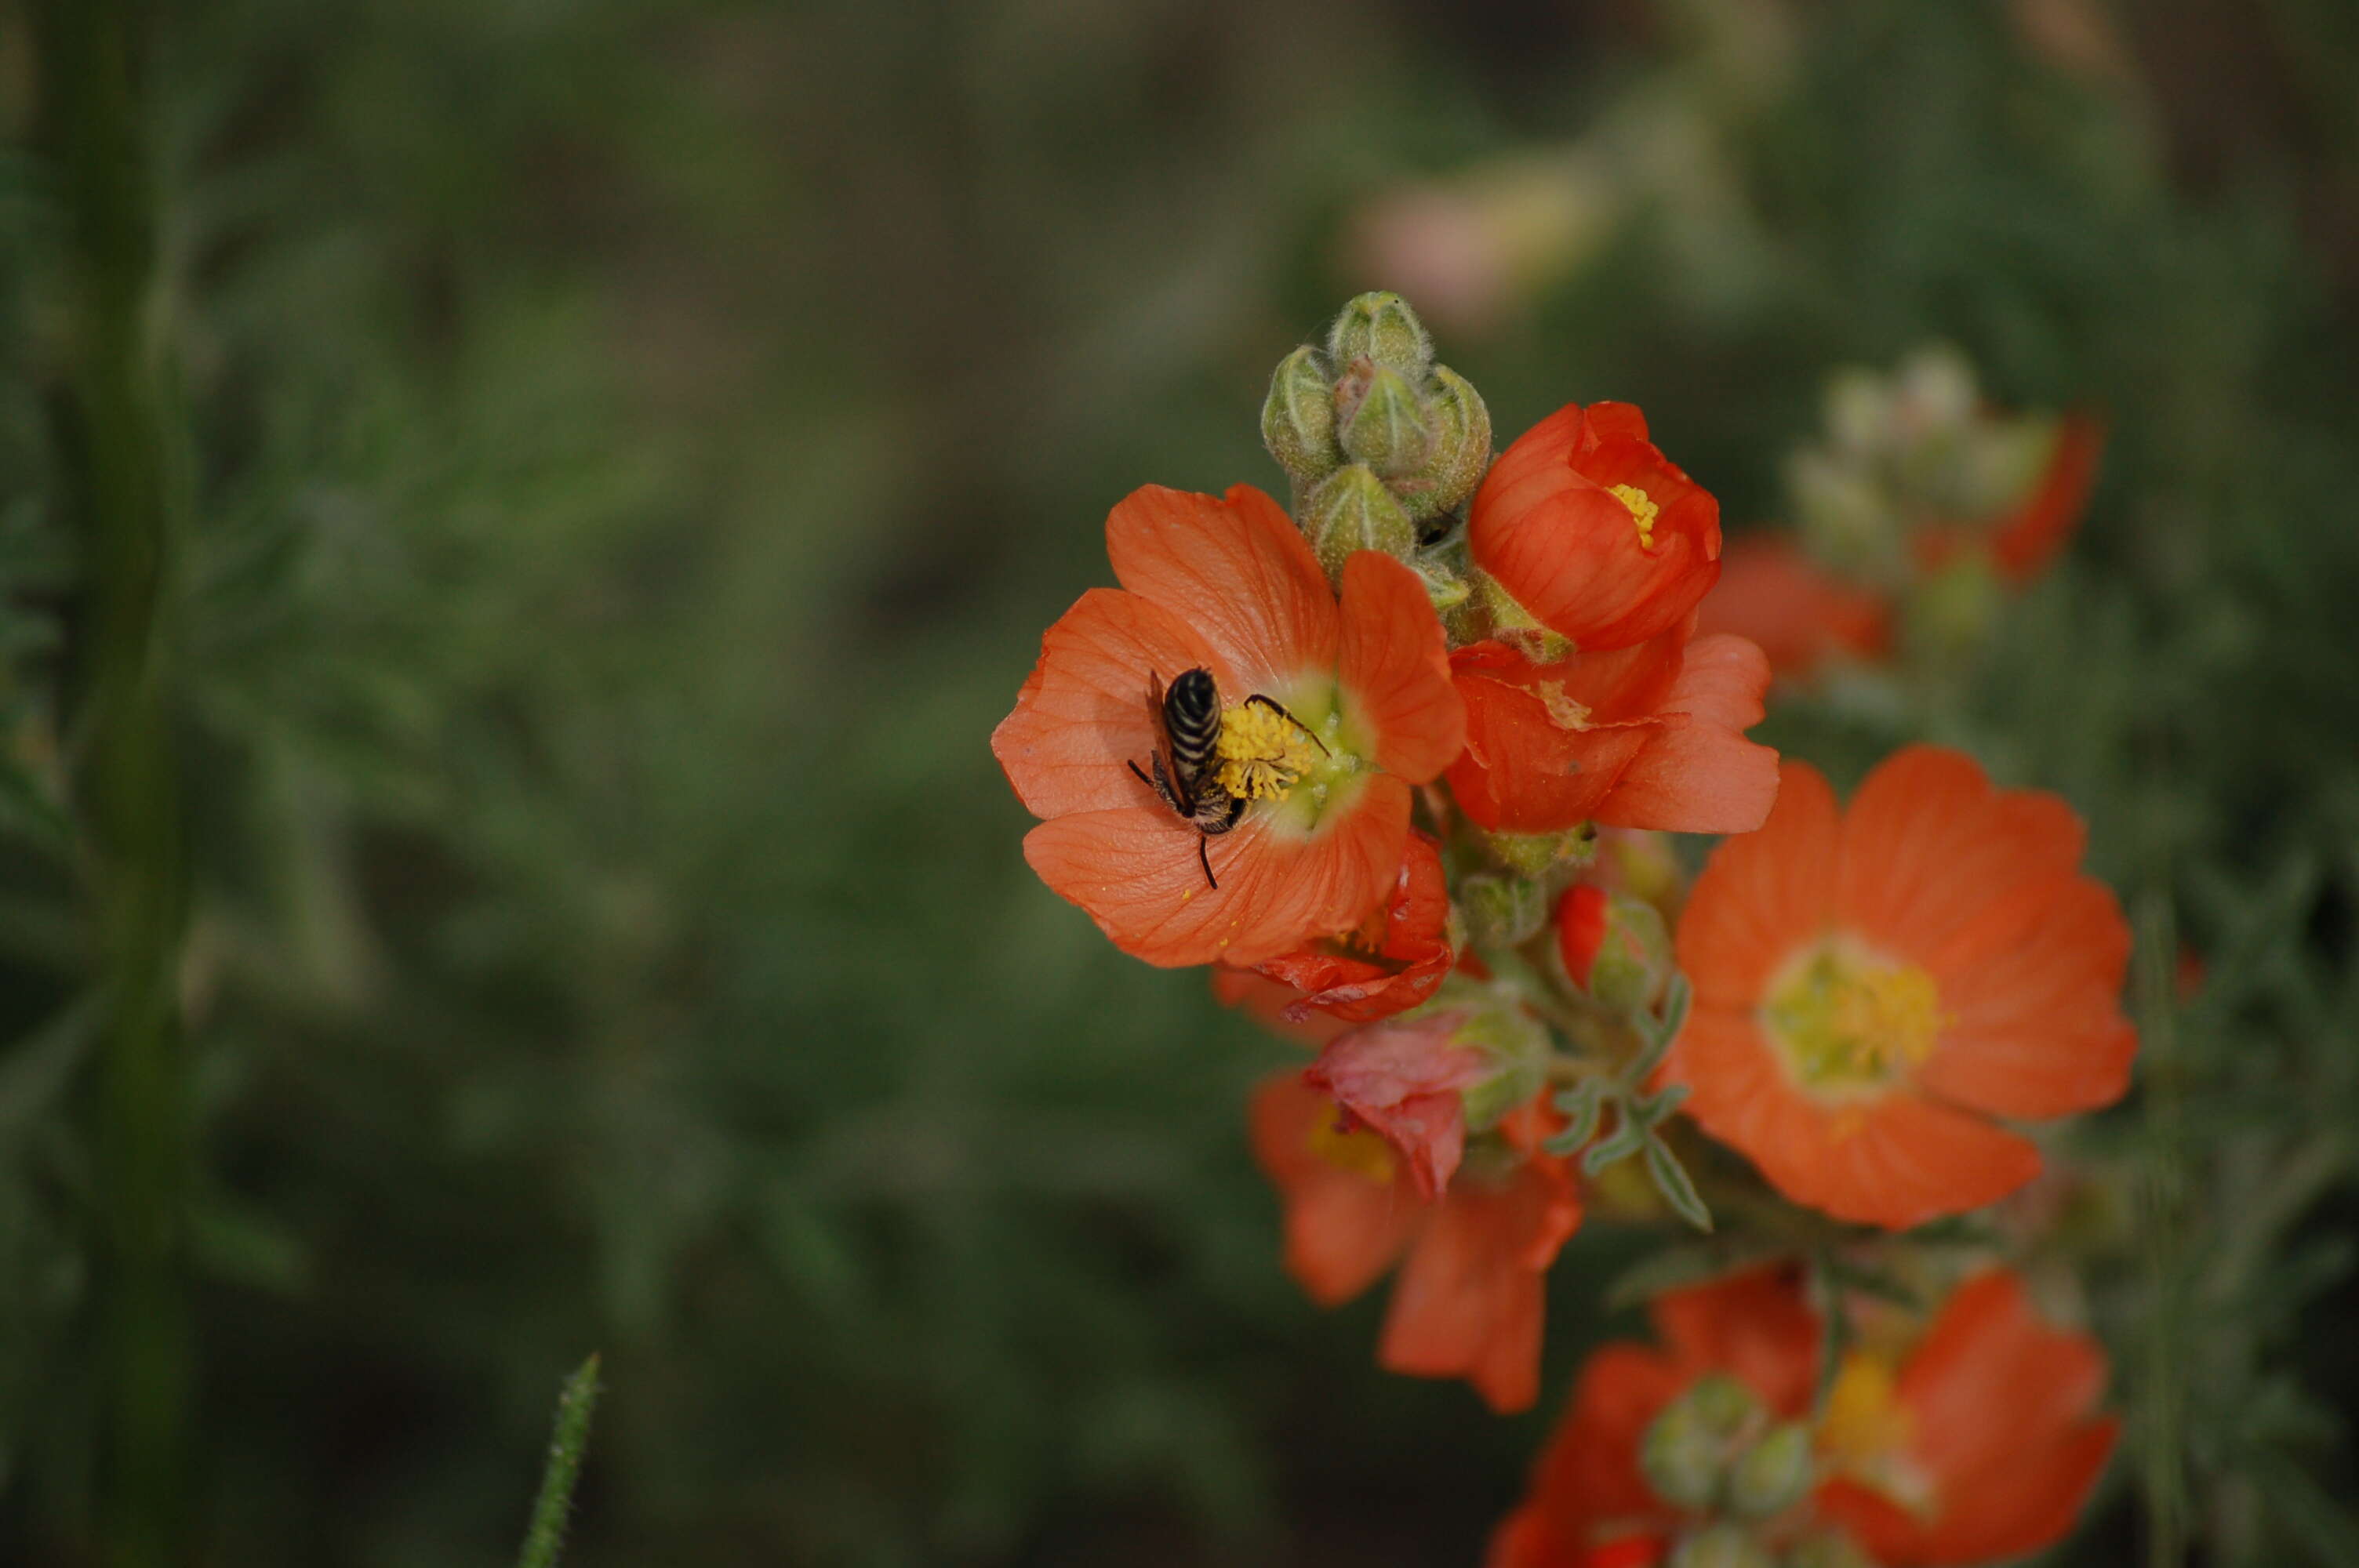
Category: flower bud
<point>1459,423</point>
<point>1382,329</point>
<point>1774,1473</point>
<point>1383,422</point>
<point>1687,1449</point>
<point>1632,961</point>
<point>1298,422</point>
<point>1505,620</point>
<point>1514,1049</point>
<point>1720,1546</point>
<point>1352,509</point>
<point>1502,912</point>
<point>1828,1551</point>
<point>1532,854</point>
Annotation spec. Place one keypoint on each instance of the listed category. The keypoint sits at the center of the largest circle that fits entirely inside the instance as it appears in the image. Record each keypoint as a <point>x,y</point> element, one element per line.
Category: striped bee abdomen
<point>1192,724</point>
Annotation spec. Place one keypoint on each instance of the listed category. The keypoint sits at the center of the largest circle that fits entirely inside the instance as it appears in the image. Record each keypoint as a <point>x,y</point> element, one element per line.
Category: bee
<point>1188,713</point>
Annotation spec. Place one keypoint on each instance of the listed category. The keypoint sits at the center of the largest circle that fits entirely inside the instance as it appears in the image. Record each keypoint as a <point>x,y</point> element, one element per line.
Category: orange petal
<point>1762,894</point>
<point>2037,1029</point>
<point>1395,668</point>
<point>1085,713</point>
<point>1469,1299</point>
<point>1756,1324</point>
<point>1772,594</point>
<point>1891,1160</point>
<point>1588,1477</point>
<point>1703,775</point>
<point>1343,1227</point>
<point>2029,539</point>
<point>1138,874</point>
<point>1234,569</point>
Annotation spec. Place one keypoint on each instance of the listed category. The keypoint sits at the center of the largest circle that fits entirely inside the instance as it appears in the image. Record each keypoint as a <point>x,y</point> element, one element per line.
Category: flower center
<point>1352,1148</point>
<point>1866,1432</point>
<point>1262,752</point>
<point>1846,1019</point>
<point>1643,512</point>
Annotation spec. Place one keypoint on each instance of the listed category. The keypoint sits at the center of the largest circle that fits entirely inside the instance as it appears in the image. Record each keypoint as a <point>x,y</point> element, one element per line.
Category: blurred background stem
<point>116,436</point>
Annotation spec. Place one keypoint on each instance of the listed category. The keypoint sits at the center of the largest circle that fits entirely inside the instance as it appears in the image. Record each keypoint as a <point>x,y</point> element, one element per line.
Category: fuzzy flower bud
<point>1828,1551</point>
<point>1352,509</point>
<point>1382,329</point>
<point>1773,1475</point>
<point>1614,947</point>
<point>1502,912</point>
<point>1720,1546</point>
<point>1459,423</point>
<point>1298,422</point>
<point>1534,854</point>
<point>1687,1450</point>
<point>1382,420</point>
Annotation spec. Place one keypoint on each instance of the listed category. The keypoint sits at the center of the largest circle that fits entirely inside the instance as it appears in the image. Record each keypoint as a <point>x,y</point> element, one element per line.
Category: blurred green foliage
<point>637,446</point>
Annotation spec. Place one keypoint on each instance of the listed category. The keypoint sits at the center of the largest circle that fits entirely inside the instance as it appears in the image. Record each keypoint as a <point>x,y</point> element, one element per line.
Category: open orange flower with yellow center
<point>1328,711</point>
<point>1871,990</point>
<point>1980,1443</point>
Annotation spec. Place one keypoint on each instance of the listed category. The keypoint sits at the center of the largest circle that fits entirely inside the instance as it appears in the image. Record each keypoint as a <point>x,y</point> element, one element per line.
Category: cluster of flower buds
<point>1382,444</point>
<point>1912,513</point>
<point>1402,777</point>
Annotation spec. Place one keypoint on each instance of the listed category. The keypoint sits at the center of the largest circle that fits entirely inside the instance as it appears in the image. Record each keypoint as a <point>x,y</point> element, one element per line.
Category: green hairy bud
<point>1774,1473</point>
<point>1720,1546</point>
<point>1298,422</point>
<point>1503,911</point>
<point>1688,1448</point>
<point>1381,328</point>
<point>1459,422</point>
<point>1352,509</point>
<point>1383,421</point>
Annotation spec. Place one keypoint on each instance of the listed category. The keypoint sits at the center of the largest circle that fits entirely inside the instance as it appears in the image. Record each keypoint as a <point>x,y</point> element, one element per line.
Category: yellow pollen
<point>1866,1432</point>
<point>1262,752</point>
<point>1356,1150</point>
<point>1563,710</point>
<point>1643,512</point>
<point>1846,1020</point>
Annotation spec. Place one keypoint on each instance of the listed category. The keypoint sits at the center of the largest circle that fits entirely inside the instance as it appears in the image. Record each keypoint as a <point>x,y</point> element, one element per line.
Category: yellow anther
<point>1643,512</point>
<point>1846,1020</point>
<point>1261,752</point>
<point>1354,1149</point>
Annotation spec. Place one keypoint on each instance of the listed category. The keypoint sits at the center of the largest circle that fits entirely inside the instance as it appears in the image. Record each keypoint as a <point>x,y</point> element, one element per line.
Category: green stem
<point>119,442</point>
<point>574,1404</point>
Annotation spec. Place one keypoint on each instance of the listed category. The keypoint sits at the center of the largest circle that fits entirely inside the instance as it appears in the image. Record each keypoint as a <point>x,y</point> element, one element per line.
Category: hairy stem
<point>576,1402</point>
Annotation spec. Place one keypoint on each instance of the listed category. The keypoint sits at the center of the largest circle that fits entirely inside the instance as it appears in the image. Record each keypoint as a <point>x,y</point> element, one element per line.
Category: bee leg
<point>1204,855</point>
<point>1160,784</point>
<point>1280,708</point>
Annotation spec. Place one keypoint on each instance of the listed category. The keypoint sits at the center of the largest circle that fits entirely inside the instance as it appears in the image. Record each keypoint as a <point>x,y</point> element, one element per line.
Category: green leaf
<point>1688,1263</point>
<point>1670,1179</point>
<point>1626,1142</point>
<point>1583,1104</point>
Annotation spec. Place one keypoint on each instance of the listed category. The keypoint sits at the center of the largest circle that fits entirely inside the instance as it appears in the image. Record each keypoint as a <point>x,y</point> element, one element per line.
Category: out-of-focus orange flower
<point>1398,959</point>
<point>1590,1503</point>
<point>2022,543</point>
<point>1772,594</point>
<point>1871,990</point>
<point>1469,1298</point>
<point>1592,531</point>
<point>1226,584</point>
<point>1981,1443</point>
<point>1580,929</point>
<point>1650,736</point>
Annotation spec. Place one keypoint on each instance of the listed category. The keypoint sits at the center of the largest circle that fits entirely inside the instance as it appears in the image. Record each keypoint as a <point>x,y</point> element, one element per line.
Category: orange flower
<point>1801,615</point>
<point>1650,736</point>
<point>1871,990</point>
<point>1228,585</point>
<point>2022,543</point>
<point>1590,1503</point>
<point>1592,531</point>
<point>1392,963</point>
<point>1981,1443</point>
<point>1469,1298</point>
